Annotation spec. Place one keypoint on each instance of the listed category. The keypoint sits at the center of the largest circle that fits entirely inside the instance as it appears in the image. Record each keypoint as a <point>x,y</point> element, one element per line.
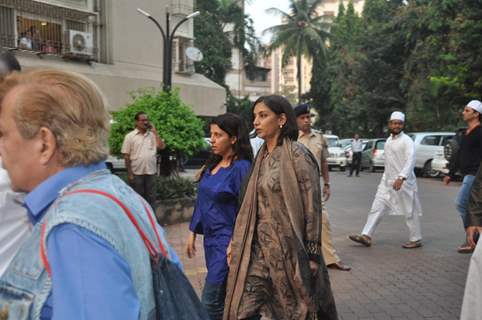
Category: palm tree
<point>302,33</point>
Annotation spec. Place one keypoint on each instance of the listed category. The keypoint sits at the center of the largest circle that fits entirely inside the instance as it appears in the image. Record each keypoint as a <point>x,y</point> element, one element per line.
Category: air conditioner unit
<point>79,43</point>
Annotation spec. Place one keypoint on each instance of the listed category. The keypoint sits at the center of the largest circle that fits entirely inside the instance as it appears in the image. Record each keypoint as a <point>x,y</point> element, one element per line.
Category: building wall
<point>330,7</point>
<point>130,52</point>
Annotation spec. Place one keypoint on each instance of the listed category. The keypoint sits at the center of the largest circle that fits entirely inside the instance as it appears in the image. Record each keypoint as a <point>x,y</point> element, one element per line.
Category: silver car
<point>373,156</point>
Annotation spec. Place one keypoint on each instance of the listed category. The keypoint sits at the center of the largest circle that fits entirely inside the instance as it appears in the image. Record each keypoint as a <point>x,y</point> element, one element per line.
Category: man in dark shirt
<point>468,160</point>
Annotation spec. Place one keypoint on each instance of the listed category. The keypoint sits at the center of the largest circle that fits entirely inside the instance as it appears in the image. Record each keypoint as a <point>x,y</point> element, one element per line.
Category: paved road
<point>387,282</point>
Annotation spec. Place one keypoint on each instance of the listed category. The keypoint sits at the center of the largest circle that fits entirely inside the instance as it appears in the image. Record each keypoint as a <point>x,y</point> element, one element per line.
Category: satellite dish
<point>194,54</point>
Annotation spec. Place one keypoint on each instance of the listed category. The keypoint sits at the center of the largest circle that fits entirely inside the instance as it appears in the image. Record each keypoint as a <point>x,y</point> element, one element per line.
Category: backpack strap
<point>149,246</point>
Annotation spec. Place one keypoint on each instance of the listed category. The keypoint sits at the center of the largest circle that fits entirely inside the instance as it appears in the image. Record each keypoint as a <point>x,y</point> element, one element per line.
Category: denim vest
<point>26,285</point>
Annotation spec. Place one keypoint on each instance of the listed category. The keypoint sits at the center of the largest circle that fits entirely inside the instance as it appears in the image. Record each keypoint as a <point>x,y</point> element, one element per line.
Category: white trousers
<point>379,209</point>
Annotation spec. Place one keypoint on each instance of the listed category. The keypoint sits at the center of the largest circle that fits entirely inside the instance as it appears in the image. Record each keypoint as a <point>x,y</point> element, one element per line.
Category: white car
<point>427,146</point>
<point>336,154</point>
<point>115,163</point>
<point>439,163</point>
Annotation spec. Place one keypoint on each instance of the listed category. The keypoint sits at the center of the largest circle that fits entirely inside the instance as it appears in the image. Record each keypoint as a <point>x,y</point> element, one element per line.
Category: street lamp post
<point>167,39</point>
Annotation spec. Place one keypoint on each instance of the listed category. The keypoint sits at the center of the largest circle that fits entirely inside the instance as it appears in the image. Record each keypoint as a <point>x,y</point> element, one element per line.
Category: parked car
<point>439,163</point>
<point>115,163</point>
<point>373,156</point>
<point>336,154</point>
<point>427,146</point>
<point>345,142</point>
<point>198,159</point>
<point>349,152</point>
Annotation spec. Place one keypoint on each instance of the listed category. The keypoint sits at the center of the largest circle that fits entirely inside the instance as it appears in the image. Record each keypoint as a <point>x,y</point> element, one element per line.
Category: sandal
<point>465,248</point>
<point>412,244</point>
<point>363,239</point>
<point>339,266</point>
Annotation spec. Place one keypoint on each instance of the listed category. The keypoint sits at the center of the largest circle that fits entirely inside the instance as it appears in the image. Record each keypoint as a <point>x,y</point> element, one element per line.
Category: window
<point>431,141</point>
<point>181,63</point>
<point>49,28</point>
<point>368,146</point>
<point>446,139</point>
<point>38,35</point>
<point>380,145</point>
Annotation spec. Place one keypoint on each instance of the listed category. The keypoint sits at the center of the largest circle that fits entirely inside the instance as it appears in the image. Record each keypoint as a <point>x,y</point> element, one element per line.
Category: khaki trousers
<point>329,252</point>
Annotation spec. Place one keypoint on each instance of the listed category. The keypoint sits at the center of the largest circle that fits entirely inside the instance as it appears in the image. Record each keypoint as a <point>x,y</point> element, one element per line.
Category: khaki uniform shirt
<point>316,143</point>
<point>142,150</point>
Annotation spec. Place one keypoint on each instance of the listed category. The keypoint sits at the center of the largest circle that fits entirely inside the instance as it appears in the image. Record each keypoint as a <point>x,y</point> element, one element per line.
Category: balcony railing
<point>48,29</point>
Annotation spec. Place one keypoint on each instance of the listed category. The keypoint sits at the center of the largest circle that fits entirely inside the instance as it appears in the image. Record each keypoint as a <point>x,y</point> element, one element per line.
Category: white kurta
<point>472,306</point>
<point>399,162</point>
<point>15,226</point>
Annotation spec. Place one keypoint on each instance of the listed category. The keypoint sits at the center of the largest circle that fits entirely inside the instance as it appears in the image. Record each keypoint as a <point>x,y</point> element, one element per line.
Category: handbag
<point>174,295</point>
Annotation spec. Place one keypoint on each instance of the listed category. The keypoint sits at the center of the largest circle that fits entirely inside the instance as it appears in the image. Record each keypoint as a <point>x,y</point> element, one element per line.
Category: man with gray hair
<point>397,192</point>
<point>84,259</point>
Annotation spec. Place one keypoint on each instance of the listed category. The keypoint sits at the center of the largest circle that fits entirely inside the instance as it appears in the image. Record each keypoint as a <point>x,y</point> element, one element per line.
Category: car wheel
<point>109,166</point>
<point>342,169</point>
<point>428,171</point>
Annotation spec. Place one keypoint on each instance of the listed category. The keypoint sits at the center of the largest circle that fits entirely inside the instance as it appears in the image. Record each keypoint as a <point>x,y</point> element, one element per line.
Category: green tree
<point>302,33</point>
<point>333,85</point>
<point>212,41</point>
<point>174,120</point>
<point>223,25</point>
<point>242,107</point>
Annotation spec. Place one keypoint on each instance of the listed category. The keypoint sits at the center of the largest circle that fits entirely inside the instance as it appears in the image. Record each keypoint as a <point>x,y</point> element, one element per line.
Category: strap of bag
<point>149,246</point>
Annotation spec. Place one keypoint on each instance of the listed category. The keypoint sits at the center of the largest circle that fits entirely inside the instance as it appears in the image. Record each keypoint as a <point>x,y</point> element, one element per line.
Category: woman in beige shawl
<point>276,266</point>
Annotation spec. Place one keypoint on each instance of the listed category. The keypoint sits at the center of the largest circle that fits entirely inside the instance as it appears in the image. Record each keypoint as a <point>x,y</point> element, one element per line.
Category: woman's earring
<point>280,126</point>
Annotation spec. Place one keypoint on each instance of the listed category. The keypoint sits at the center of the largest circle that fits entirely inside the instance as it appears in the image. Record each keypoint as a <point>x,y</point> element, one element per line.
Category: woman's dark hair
<point>234,126</point>
<point>10,61</point>
<point>280,105</point>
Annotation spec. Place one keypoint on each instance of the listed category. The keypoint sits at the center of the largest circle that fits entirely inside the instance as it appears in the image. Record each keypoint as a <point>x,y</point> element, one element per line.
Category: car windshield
<point>380,145</point>
<point>332,142</point>
<point>345,142</point>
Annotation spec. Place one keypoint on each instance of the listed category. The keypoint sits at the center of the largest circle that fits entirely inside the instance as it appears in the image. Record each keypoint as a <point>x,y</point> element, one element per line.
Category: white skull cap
<point>397,115</point>
<point>476,105</point>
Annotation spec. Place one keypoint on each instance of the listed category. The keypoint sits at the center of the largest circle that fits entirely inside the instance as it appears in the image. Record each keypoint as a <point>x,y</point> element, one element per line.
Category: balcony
<point>46,29</point>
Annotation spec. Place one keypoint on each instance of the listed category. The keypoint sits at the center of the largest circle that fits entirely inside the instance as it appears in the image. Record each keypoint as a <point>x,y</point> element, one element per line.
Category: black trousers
<point>355,163</point>
<point>145,185</point>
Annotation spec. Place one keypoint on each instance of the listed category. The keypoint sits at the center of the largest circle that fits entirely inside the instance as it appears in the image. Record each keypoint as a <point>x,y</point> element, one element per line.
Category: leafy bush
<point>175,187</point>
<point>172,187</point>
<point>174,120</point>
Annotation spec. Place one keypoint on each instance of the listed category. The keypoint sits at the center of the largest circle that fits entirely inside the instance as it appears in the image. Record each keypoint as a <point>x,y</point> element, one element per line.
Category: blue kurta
<point>215,214</point>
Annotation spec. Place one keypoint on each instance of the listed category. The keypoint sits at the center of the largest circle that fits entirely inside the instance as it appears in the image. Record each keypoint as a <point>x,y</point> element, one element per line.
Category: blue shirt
<point>215,214</point>
<point>79,259</point>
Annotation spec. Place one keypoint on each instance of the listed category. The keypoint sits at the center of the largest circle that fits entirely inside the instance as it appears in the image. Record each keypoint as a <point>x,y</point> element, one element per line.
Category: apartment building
<point>109,42</point>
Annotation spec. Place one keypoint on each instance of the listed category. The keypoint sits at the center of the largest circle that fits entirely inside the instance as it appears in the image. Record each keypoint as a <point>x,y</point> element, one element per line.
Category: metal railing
<point>47,29</point>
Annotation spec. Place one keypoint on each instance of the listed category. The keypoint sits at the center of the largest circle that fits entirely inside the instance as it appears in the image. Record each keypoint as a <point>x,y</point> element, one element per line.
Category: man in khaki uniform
<point>315,142</point>
<point>140,151</point>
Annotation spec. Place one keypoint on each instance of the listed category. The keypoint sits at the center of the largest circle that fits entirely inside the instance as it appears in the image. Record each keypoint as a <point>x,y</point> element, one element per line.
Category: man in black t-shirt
<point>468,160</point>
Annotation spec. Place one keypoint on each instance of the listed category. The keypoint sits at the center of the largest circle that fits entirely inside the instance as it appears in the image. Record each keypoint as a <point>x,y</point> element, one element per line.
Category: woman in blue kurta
<point>217,204</point>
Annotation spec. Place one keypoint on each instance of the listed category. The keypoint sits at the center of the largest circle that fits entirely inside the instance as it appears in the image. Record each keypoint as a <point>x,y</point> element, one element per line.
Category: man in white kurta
<point>397,191</point>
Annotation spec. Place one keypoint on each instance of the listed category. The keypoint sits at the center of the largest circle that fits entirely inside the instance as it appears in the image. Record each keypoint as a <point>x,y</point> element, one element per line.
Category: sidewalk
<point>386,282</point>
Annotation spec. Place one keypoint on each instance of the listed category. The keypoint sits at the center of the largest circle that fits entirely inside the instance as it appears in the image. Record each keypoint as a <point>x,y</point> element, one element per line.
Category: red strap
<point>150,247</point>
<point>153,224</point>
<point>43,252</point>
